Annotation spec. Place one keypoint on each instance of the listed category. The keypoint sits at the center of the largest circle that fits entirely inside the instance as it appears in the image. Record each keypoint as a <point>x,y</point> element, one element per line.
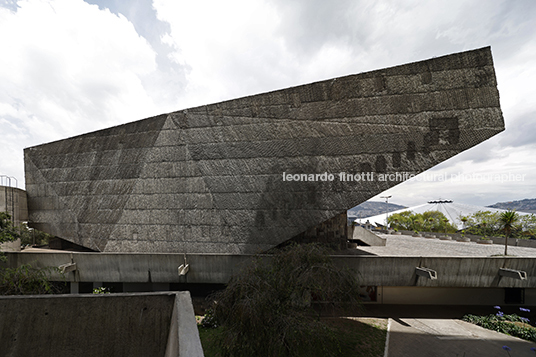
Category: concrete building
<point>13,201</point>
<point>245,175</point>
<point>183,200</point>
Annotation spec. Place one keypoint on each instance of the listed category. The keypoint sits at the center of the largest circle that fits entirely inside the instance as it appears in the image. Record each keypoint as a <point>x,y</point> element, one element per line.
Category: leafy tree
<point>483,223</point>
<point>269,308</point>
<point>527,226</point>
<point>508,220</point>
<point>433,221</point>
<point>7,231</point>
<point>30,236</point>
<point>402,220</point>
<point>23,279</point>
<point>27,280</point>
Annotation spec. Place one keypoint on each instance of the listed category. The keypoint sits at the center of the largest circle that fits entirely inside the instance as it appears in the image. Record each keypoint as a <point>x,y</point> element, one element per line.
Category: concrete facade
<point>155,324</point>
<point>211,179</point>
<point>394,279</point>
<point>13,201</point>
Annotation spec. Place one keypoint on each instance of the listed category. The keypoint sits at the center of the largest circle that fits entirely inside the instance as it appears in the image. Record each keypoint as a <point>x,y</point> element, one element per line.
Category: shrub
<point>505,324</point>
<point>269,309</point>
<point>26,280</point>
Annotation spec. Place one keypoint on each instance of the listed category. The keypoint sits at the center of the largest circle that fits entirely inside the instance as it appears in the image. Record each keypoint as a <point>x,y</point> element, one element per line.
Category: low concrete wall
<point>10,246</point>
<point>156,324</point>
<point>531,243</point>
<point>367,237</point>
<point>13,201</point>
<point>474,272</point>
<point>218,268</point>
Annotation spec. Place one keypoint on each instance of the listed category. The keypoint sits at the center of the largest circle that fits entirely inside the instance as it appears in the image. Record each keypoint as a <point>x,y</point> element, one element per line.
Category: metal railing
<point>7,181</point>
<point>9,194</point>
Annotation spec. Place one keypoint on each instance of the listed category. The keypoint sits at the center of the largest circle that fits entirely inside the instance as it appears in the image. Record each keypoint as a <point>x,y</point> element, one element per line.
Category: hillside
<point>371,208</point>
<point>526,205</point>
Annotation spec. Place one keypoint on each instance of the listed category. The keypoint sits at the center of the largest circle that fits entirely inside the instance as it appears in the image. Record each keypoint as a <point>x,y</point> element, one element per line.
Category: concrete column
<point>97,284</point>
<point>74,288</point>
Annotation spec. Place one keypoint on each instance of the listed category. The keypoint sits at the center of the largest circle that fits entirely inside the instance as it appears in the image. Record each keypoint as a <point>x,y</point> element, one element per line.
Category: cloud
<point>68,68</point>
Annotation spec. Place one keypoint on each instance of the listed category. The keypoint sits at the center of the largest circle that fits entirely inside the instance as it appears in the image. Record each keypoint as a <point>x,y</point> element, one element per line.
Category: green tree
<point>23,279</point>
<point>269,308</point>
<point>27,280</point>
<point>7,231</point>
<point>483,223</point>
<point>401,220</point>
<point>508,220</point>
<point>433,221</point>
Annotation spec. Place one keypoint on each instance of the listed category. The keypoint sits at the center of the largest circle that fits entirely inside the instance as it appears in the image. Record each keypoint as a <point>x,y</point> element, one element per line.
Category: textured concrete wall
<point>98,325</point>
<point>13,201</point>
<point>210,179</point>
<point>367,237</point>
<point>477,272</point>
<point>332,233</point>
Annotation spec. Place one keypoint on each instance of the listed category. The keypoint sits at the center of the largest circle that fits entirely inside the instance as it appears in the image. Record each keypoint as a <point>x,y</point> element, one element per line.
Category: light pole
<point>386,213</point>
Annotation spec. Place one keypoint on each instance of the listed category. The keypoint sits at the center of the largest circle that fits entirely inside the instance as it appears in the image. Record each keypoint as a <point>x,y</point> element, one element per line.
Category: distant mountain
<point>371,208</point>
<point>526,205</point>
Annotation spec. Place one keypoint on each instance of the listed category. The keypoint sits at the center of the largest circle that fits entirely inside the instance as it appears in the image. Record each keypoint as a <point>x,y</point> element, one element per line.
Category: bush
<point>269,309</point>
<point>505,324</point>
<point>26,280</point>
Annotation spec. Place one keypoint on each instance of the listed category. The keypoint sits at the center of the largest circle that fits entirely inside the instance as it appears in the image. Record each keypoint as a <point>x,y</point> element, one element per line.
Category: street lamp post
<point>386,213</point>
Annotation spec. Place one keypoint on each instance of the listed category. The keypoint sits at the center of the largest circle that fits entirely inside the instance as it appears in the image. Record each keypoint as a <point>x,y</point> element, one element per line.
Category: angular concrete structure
<point>211,178</point>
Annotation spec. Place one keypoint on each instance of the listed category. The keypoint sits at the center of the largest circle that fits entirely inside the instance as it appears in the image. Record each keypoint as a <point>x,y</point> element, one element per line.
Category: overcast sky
<point>68,67</point>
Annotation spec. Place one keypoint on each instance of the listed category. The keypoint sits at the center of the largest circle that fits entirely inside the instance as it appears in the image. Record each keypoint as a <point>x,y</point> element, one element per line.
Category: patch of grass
<point>354,336</point>
<point>208,338</point>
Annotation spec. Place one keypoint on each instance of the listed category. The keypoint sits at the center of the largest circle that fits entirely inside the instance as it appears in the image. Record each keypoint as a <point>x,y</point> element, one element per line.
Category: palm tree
<point>508,219</point>
<point>464,221</point>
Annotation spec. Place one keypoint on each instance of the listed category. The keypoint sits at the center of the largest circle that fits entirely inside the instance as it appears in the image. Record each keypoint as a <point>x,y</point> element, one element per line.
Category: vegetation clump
<point>27,280</point>
<point>511,324</point>
<point>272,307</point>
<point>430,221</point>
<point>8,232</point>
<point>24,279</point>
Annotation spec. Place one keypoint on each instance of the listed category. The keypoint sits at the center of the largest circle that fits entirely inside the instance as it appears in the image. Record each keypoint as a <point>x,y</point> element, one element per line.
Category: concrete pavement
<point>438,331</point>
<point>429,337</point>
<point>404,245</point>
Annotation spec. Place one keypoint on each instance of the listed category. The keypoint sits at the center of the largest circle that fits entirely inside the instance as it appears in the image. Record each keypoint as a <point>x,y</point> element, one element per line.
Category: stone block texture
<point>210,179</point>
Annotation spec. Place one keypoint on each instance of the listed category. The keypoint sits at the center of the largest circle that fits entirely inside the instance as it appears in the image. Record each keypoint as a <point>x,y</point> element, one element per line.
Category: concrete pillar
<point>74,288</point>
<point>97,284</point>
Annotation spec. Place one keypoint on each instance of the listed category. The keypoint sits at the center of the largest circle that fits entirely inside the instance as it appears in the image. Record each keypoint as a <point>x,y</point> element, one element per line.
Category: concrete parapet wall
<point>99,325</point>
<point>366,236</point>
<point>474,238</point>
<point>13,201</point>
<point>478,272</point>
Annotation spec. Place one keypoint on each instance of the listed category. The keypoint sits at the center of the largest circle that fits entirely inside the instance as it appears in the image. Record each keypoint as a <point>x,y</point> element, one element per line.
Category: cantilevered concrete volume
<point>210,179</point>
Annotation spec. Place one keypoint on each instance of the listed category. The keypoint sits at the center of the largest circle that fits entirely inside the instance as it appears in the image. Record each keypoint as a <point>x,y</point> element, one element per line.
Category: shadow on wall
<point>142,324</point>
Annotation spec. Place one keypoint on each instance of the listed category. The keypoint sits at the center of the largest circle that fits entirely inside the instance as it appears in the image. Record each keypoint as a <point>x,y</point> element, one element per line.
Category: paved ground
<point>450,337</point>
<point>437,331</point>
<point>404,245</point>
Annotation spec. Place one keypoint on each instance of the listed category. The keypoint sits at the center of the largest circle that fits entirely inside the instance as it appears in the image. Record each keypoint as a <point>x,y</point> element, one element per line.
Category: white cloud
<point>68,68</point>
